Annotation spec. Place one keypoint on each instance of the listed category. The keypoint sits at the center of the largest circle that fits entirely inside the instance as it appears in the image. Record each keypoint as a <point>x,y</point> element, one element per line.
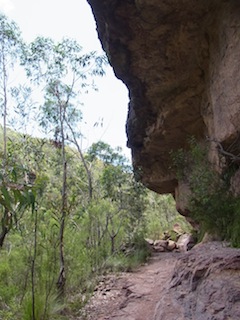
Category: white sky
<point>74,19</point>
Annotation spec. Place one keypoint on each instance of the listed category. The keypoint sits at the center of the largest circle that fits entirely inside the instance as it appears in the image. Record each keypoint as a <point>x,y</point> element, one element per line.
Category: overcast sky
<point>74,19</point>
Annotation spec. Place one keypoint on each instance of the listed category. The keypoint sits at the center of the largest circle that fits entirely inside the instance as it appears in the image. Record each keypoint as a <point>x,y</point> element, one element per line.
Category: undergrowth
<point>131,256</point>
<point>210,202</point>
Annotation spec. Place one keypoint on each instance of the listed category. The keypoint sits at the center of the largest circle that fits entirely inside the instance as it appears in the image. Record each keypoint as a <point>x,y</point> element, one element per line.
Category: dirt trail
<point>132,296</point>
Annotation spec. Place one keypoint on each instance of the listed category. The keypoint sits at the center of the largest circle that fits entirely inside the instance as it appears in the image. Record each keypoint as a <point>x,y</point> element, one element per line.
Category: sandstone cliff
<point>180,62</point>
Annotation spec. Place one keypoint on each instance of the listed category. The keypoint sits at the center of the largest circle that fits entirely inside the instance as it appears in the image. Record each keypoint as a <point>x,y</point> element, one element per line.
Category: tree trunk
<point>33,266</point>
<point>88,172</point>
<point>3,235</point>
<point>6,226</point>
<point>62,276</point>
<point>4,111</point>
<point>113,244</point>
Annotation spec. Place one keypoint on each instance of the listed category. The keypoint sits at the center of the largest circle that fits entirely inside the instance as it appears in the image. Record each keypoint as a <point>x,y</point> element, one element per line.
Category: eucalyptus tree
<point>65,73</point>
<point>10,51</point>
<point>15,196</point>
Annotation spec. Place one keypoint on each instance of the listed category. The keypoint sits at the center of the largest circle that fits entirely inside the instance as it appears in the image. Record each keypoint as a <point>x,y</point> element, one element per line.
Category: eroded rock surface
<point>180,62</point>
<point>205,285</point>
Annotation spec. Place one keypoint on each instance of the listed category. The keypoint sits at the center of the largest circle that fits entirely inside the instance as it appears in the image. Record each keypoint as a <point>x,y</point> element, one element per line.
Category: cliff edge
<point>180,62</point>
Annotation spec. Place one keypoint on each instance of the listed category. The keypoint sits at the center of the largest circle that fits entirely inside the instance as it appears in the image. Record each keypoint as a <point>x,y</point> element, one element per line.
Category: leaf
<point>7,198</point>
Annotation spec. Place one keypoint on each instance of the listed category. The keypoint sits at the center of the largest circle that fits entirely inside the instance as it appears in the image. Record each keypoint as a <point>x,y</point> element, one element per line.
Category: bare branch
<point>234,158</point>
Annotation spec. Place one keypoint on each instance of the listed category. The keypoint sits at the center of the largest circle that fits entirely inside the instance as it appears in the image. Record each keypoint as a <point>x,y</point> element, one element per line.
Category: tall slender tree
<point>14,195</point>
<point>65,73</point>
<point>10,50</point>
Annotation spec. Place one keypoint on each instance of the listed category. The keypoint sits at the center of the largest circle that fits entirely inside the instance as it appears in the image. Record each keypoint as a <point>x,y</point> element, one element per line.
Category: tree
<point>16,191</point>
<point>65,73</point>
<point>10,51</point>
<point>126,196</point>
<point>14,195</point>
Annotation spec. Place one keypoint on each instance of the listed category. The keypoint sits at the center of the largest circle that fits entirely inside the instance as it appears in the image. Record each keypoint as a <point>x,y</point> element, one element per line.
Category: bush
<point>134,253</point>
<point>211,204</point>
<point>161,216</point>
<point>45,307</point>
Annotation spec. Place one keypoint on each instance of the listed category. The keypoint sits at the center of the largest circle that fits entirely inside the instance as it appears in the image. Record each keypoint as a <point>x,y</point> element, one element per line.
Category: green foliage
<point>117,217</point>
<point>233,229</point>
<point>11,43</point>
<point>123,263</point>
<point>104,152</point>
<point>161,216</point>
<point>43,310</point>
<point>127,261</point>
<point>211,203</point>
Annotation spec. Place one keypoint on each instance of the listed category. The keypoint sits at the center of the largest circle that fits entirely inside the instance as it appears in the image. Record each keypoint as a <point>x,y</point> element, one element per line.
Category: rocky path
<point>202,284</point>
<point>132,296</point>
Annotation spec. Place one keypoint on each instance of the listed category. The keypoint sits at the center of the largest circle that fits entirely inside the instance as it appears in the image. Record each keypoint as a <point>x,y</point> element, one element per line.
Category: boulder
<point>160,245</point>
<point>204,285</point>
<point>185,242</point>
<point>171,245</point>
<point>149,241</point>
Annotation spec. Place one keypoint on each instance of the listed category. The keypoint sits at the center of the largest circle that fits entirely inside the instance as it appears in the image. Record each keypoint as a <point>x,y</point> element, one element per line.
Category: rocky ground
<point>134,295</point>
<point>202,284</point>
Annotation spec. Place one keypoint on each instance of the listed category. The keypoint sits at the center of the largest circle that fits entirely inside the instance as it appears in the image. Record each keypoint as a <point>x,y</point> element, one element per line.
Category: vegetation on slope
<point>106,233</point>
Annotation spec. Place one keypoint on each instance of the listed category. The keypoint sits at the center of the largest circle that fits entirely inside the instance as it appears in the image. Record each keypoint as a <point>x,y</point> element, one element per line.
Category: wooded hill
<point>103,229</point>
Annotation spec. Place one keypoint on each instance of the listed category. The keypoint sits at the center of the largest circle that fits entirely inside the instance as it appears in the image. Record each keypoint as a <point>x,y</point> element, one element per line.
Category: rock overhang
<point>164,51</point>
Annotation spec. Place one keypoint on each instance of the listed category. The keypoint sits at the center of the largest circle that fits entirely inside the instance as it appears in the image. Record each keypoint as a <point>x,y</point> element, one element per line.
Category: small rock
<point>185,242</point>
<point>171,245</point>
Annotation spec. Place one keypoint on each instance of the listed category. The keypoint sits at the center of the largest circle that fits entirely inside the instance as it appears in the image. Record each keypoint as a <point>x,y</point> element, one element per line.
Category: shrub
<point>45,307</point>
<point>211,204</point>
<point>134,253</point>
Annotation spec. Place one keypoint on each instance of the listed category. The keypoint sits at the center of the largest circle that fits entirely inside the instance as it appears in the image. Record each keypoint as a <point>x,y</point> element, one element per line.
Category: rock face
<point>205,285</point>
<point>180,62</point>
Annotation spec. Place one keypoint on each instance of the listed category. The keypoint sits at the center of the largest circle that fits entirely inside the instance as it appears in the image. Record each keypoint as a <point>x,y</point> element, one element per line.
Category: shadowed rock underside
<point>180,62</point>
